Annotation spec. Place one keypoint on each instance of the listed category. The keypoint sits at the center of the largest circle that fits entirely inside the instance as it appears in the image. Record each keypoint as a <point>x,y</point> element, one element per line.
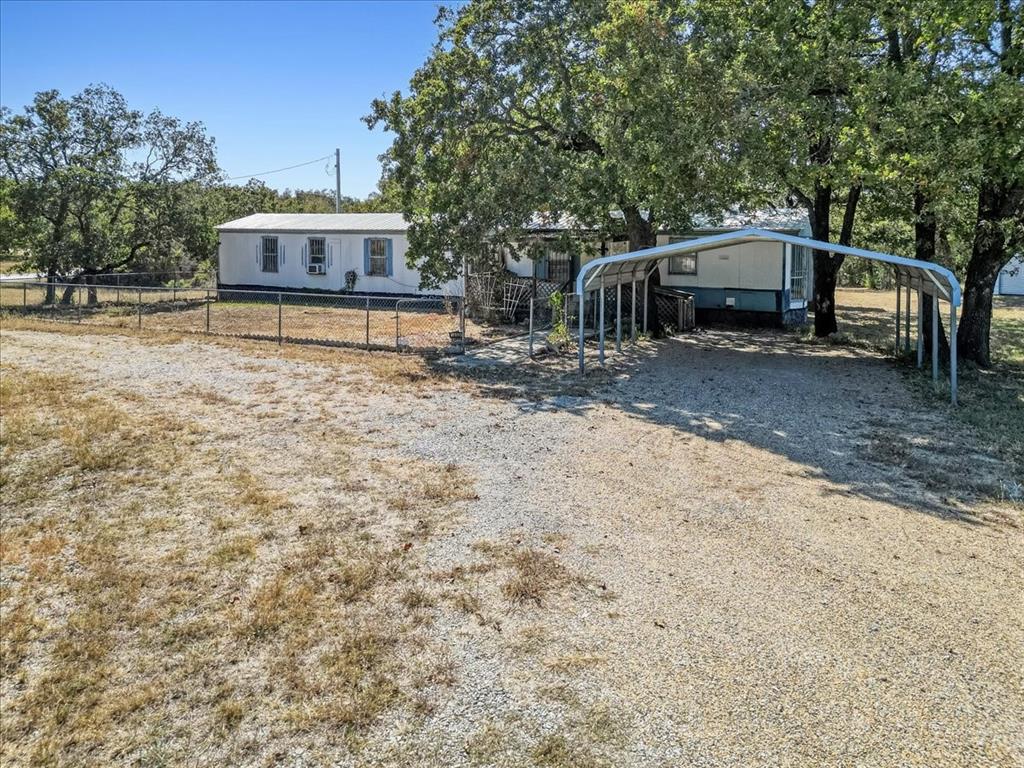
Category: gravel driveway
<point>777,555</point>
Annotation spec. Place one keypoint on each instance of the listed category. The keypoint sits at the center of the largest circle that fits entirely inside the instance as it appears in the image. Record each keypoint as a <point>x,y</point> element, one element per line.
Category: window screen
<point>378,257</point>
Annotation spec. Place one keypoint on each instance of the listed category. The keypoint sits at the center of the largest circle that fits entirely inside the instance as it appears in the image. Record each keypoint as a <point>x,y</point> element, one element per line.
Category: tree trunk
<point>826,265</point>
<point>997,202</point>
<point>642,234</point>
<point>926,233</point>
<point>51,278</point>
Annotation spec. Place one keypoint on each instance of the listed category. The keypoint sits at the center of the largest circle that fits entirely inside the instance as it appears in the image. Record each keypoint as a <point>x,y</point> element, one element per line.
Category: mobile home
<point>764,283</point>
<point>359,252</point>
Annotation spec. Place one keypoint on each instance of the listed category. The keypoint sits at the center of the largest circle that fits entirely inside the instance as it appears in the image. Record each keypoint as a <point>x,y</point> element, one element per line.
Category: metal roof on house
<point>761,218</point>
<point>318,222</point>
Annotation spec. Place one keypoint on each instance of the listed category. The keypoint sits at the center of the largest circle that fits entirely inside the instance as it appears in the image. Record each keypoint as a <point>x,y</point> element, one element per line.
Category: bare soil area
<point>729,548</point>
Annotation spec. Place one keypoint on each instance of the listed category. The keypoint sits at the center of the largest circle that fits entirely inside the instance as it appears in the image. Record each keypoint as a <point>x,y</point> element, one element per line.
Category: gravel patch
<point>780,556</point>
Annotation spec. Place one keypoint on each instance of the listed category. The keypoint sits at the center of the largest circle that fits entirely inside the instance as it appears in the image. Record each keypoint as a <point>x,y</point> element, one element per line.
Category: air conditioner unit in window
<point>316,269</point>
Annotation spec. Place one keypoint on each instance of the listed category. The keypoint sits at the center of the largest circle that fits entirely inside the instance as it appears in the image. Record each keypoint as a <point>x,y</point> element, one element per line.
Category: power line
<point>278,170</point>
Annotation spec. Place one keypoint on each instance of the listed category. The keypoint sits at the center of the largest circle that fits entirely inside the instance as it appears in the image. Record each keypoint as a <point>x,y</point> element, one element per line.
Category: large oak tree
<point>97,186</point>
<point>525,108</point>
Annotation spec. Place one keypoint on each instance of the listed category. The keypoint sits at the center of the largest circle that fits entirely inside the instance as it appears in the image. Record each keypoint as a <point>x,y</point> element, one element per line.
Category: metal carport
<point>635,268</point>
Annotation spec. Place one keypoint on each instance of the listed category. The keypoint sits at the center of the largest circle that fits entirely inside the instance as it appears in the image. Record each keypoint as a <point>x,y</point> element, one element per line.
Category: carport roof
<point>933,278</point>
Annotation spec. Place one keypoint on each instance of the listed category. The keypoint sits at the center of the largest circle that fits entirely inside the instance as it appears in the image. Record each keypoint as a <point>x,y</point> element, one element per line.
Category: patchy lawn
<point>992,400</point>
<point>179,576</point>
<point>729,548</point>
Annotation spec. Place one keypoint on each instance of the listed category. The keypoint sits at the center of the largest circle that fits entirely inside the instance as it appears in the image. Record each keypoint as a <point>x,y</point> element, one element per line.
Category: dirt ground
<point>730,548</point>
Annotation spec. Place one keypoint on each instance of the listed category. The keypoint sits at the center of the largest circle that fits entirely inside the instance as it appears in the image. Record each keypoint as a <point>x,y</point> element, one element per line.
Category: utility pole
<point>337,180</point>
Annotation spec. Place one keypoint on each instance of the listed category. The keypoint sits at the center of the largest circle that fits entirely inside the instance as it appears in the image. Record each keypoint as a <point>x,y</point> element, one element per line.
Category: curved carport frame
<point>636,267</point>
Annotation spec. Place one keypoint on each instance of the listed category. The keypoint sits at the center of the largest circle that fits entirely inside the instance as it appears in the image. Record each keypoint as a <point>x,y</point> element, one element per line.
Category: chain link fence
<point>171,278</point>
<point>371,322</point>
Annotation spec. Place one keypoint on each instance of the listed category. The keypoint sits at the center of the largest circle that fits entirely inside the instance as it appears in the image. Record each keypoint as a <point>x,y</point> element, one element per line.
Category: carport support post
<point>530,344</point>
<point>906,328</point>
<point>618,313</point>
<point>600,322</point>
<point>580,295</point>
<point>952,353</point>
<point>935,337</point>
<point>647,276</point>
<point>920,325</point>
<point>899,300</point>
<point>632,308</point>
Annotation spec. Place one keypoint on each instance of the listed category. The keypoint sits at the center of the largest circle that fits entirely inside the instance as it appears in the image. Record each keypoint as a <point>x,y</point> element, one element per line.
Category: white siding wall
<point>239,264</point>
<point>754,266</point>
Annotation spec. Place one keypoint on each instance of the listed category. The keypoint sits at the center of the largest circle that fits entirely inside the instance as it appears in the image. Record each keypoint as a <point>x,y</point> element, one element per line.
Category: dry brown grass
<point>534,574</point>
<point>160,600</point>
<point>992,400</point>
<point>388,367</point>
<point>320,319</point>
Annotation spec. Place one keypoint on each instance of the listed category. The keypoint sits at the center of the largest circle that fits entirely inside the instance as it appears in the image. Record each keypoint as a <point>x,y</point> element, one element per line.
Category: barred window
<point>317,250</point>
<point>269,253</point>
<point>798,275</point>
<point>378,257</point>
<point>553,265</point>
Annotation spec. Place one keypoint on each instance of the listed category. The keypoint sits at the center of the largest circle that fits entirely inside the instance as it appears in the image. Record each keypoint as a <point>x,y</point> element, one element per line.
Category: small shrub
<point>558,338</point>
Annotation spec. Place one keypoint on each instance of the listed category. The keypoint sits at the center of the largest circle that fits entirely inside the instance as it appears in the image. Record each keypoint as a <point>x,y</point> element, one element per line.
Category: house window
<point>377,265</point>
<point>798,275</point>
<point>268,263</point>
<point>554,266</point>
<point>317,251</point>
<point>683,264</point>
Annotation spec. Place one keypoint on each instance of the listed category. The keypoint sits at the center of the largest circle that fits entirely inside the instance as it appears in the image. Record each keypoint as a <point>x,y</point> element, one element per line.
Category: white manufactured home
<point>359,252</point>
<point>761,282</point>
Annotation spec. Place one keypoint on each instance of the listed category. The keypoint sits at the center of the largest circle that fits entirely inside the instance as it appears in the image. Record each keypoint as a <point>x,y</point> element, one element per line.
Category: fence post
<point>367,322</point>
<point>140,309</point>
<point>279,318</point>
<point>24,296</point>
<point>398,302</point>
<point>207,310</point>
<point>117,280</point>
<point>462,323</point>
<point>79,313</point>
<point>531,324</point>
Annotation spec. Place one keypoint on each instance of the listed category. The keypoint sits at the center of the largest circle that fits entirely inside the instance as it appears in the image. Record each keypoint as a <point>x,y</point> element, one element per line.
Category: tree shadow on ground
<point>847,415</point>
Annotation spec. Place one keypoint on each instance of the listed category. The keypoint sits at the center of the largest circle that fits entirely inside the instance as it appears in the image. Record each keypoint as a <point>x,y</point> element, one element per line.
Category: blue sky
<point>275,83</point>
